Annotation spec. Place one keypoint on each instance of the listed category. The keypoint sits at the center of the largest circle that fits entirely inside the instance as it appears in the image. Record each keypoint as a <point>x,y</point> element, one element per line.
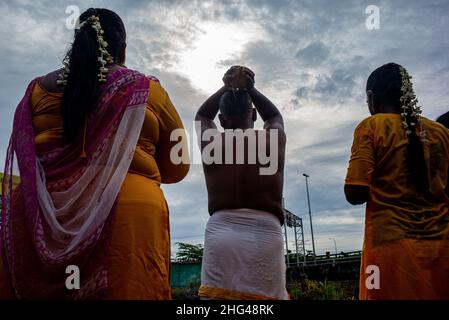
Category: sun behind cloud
<point>215,43</point>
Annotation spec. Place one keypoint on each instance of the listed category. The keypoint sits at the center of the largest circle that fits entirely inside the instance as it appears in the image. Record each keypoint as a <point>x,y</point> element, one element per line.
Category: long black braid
<point>82,89</point>
<point>386,83</point>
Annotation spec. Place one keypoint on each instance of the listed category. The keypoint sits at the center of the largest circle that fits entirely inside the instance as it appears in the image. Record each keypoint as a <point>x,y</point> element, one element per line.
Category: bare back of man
<point>232,184</point>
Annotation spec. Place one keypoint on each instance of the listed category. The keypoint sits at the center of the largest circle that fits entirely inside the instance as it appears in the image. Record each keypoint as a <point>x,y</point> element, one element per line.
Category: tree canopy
<point>189,252</point>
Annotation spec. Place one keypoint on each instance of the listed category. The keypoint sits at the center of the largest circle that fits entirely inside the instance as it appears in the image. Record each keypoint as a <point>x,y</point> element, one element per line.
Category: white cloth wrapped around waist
<point>243,252</point>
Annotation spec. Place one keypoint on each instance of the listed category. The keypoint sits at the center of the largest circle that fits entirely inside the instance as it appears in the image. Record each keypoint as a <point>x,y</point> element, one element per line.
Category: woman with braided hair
<point>92,143</point>
<point>399,166</point>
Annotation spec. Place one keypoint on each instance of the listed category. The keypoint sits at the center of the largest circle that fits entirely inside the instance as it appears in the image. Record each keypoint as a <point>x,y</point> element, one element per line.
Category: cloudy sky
<point>311,58</point>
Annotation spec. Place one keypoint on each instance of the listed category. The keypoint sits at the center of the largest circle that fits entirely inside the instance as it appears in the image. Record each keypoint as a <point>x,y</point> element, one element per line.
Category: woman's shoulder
<point>379,119</point>
<point>48,82</point>
<point>367,123</point>
<point>45,96</point>
<point>155,88</point>
<point>134,72</point>
<point>436,128</point>
<point>157,95</point>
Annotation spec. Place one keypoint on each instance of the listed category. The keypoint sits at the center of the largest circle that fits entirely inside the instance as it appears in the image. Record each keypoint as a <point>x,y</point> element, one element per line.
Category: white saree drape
<point>73,215</point>
<point>62,210</point>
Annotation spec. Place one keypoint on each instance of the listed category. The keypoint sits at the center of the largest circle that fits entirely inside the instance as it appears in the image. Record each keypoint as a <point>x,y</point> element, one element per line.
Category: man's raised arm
<point>266,109</point>
<point>209,108</point>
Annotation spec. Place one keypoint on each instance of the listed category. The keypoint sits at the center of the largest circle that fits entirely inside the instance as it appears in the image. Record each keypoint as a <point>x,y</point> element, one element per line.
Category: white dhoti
<point>243,256</point>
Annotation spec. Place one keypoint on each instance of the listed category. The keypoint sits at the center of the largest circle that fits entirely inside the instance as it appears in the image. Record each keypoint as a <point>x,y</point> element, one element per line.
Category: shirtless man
<point>243,250</point>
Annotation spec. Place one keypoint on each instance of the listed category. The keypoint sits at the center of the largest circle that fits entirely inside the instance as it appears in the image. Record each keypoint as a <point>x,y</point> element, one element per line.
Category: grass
<point>187,293</point>
<point>303,290</point>
<point>323,290</point>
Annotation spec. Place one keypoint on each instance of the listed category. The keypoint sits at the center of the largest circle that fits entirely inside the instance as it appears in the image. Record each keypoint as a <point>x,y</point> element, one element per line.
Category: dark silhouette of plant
<point>189,252</point>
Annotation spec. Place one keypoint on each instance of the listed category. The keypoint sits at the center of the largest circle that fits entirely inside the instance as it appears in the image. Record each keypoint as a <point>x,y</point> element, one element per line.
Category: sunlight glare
<point>205,64</point>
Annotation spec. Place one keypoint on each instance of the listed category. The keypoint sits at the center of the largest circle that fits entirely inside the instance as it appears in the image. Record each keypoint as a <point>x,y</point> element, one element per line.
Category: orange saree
<point>139,244</point>
<point>406,232</point>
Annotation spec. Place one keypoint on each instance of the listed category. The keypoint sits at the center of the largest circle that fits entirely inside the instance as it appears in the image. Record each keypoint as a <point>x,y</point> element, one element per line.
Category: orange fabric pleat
<point>408,269</point>
<point>139,262</point>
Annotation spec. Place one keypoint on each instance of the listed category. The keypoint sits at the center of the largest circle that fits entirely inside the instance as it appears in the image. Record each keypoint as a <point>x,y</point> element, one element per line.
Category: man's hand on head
<point>249,71</point>
<point>229,74</point>
<point>239,77</point>
<point>250,82</point>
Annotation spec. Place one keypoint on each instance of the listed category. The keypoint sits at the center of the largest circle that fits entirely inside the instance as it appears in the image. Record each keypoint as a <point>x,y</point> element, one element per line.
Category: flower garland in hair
<point>62,77</point>
<point>410,109</point>
<point>103,58</point>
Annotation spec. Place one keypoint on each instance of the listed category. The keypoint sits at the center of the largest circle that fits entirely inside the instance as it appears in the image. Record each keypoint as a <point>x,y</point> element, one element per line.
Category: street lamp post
<point>310,213</point>
<point>335,244</point>
<point>287,260</point>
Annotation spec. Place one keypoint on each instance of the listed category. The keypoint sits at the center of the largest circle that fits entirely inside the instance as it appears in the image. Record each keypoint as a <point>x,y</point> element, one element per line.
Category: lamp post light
<point>310,213</point>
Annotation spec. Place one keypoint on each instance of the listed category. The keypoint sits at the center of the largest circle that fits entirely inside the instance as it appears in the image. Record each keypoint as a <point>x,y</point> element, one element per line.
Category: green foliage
<point>189,252</point>
<point>320,290</point>
<point>188,293</point>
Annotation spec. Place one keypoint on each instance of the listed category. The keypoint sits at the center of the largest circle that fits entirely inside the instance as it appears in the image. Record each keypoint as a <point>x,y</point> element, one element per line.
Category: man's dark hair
<point>235,103</point>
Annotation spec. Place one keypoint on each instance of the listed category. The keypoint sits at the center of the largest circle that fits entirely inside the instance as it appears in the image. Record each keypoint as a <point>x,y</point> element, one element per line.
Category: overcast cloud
<point>311,58</point>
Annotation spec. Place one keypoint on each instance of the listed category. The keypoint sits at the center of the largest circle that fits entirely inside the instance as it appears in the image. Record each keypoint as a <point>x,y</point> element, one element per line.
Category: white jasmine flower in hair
<point>103,58</point>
